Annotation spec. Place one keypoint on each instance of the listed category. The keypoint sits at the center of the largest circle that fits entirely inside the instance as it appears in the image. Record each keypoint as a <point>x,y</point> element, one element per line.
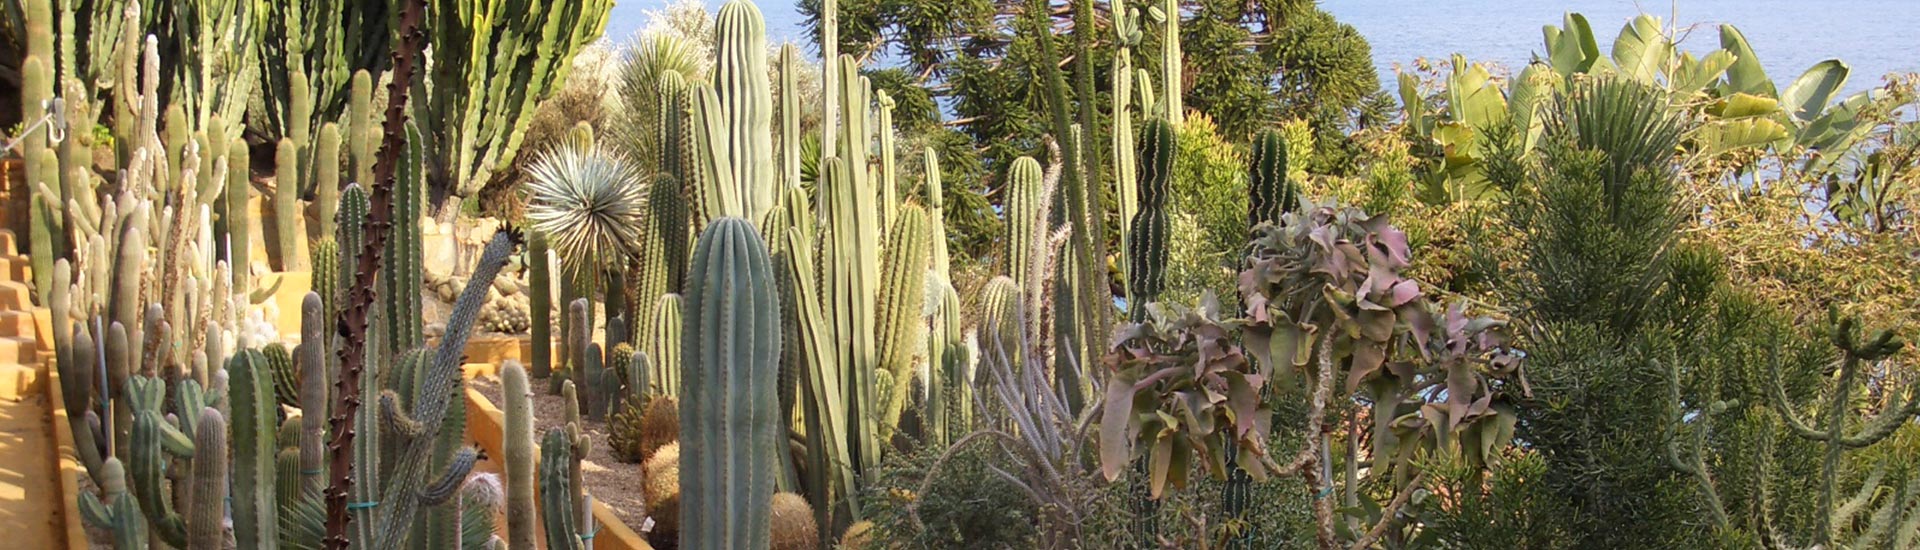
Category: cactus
<point>576,493</point>
<point>286,206</point>
<point>792,523</point>
<point>730,423</point>
<point>287,479</point>
<point>116,512</point>
<point>889,189</point>
<point>286,382</point>
<point>661,489</point>
<point>1271,193</point>
<point>903,296</point>
<point>949,399</point>
<point>154,442</point>
<point>313,390</point>
<point>663,344</point>
<point>362,137</point>
<point>255,523</point>
<point>1830,431</point>
<point>540,303</point>
<point>1171,60</point>
<point>733,123</point>
<point>555,484</point>
<point>579,347</point>
<point>206,517</point>
<point>594,395</point>
<point>1147,260</point>
<point>326,281</point>
<point>518,442</point>
<point>402,271</point>
<point>1024,223</point>
<point>851,276</point>
<point>475,119</point>
<point>662,255</point>
<point>326,179</point>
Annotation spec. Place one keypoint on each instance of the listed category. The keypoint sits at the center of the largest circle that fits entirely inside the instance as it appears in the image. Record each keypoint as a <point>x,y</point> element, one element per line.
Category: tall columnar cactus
<point>729,418</point>
<point>540,303</point>
<point>117,512</point>
<point>578,341</point>
<point>734,119</point>
<point>556,511</point>
<point>1025,189</point>
<point>206,516</point>
<point>42,166</point>
<point>518,442</point>
<point>1172,66</point>
<point>326,178</point>
<point>1002,323</point>
<point>1147,260</point>
<point>473,114</point>
<point>286,382</point>
<point>1271,194</point>
<point>326,280</point>
<point>850,261</point>
<point>255,512</point>
<point>1126,30</point>
<point>239,220</point>
<point>889,188</point>
<point>363,136</point>
<point>402,271</point>
<point>790,135</point>
<point>315,379</point>
<point>662,344</point>
<point>829,79</point>
<point>903,296</point>
<point>286,206</point>
<point>1831,430</point>
<point>667,209</point>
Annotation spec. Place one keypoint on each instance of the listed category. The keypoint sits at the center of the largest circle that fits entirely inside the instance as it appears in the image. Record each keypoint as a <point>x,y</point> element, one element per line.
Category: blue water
<point>1875,37</point>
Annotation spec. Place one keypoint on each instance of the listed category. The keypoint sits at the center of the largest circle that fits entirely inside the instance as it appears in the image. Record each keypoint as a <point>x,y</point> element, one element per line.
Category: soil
<point>617,484</point>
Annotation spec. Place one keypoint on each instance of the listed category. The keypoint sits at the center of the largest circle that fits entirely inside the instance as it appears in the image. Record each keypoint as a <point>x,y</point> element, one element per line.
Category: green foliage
<point>1509,507</point>
<point>1207,213</point>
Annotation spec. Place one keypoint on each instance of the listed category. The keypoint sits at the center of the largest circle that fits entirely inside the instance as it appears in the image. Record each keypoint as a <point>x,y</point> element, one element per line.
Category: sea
<point>1873,37</point>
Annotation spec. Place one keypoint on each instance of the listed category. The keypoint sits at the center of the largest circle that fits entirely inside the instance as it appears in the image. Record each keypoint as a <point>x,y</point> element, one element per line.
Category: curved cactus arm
<point>443,489</point>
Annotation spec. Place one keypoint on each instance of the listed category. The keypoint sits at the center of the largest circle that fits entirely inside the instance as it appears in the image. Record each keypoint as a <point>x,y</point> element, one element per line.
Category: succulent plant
<point>662,492</point>
<point>586,203</point>
<point>793,526</point>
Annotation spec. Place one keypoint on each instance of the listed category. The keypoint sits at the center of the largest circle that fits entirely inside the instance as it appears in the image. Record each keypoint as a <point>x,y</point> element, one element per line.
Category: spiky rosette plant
<point>585,199</point>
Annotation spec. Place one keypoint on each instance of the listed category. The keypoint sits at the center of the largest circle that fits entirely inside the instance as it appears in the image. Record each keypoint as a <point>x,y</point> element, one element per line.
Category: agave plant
<point>586,200</point>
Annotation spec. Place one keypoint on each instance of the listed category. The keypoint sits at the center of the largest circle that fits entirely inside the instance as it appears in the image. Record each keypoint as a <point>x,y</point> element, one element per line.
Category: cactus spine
<point>1146,274</point>
<point>518,443</point>
<point>1272,193</point>
<point>903,296</point>
<point>729,418</point>
<point>239,220</point>
<point>889,189</point>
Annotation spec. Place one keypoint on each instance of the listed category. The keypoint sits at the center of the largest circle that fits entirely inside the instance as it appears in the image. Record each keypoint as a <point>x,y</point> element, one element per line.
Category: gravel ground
<point>615,483</point>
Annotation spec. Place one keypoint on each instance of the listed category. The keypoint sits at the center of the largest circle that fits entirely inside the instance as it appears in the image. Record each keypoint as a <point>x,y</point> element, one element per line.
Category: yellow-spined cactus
<point>662,486</point>
<point>793,526</point>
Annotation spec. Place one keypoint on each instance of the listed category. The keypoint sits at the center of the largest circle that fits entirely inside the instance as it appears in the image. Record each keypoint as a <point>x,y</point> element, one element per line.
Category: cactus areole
<point>352,324</point>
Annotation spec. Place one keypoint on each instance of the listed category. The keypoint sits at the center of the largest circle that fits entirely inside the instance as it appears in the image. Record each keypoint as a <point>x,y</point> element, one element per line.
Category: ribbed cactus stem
<point>578,340</point>
<point>255,517</point>
<point>540,303</point>
<point>735,118</point>
<point>729,418</point>
<point>1171,61</point>
<point>850,284</point>
<point>313,391</point>
<point>518,442</point>
<point>362,137</point>
<point>1271,194</point>
<point>889,189</point>
<point>593,363</point>
<point>326,179</point>
<point>155,442</point>
<point>286,206</point>
<point>117,512</point>
<point>662,344</point>
<point>903,293</point>
<point>1025,188</point>
<point>403,267</point>
<point>239,220</point>
<point>556,512</point>
<point>789,115</point>
<point>206,517</point>
<point>1146,272</point>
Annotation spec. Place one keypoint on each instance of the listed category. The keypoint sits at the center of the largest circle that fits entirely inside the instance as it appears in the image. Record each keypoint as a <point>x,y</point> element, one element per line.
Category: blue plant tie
<point>589,536</point>
<point>1323,493</point>
<point>362,505</point>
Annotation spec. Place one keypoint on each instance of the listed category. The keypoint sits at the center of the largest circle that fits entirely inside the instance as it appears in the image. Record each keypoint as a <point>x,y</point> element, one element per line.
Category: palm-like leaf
<point>587,201</point>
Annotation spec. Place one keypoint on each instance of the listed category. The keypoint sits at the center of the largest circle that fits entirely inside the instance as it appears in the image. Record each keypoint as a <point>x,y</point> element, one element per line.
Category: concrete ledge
<point>484,426</point>
<point>67,467</point>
